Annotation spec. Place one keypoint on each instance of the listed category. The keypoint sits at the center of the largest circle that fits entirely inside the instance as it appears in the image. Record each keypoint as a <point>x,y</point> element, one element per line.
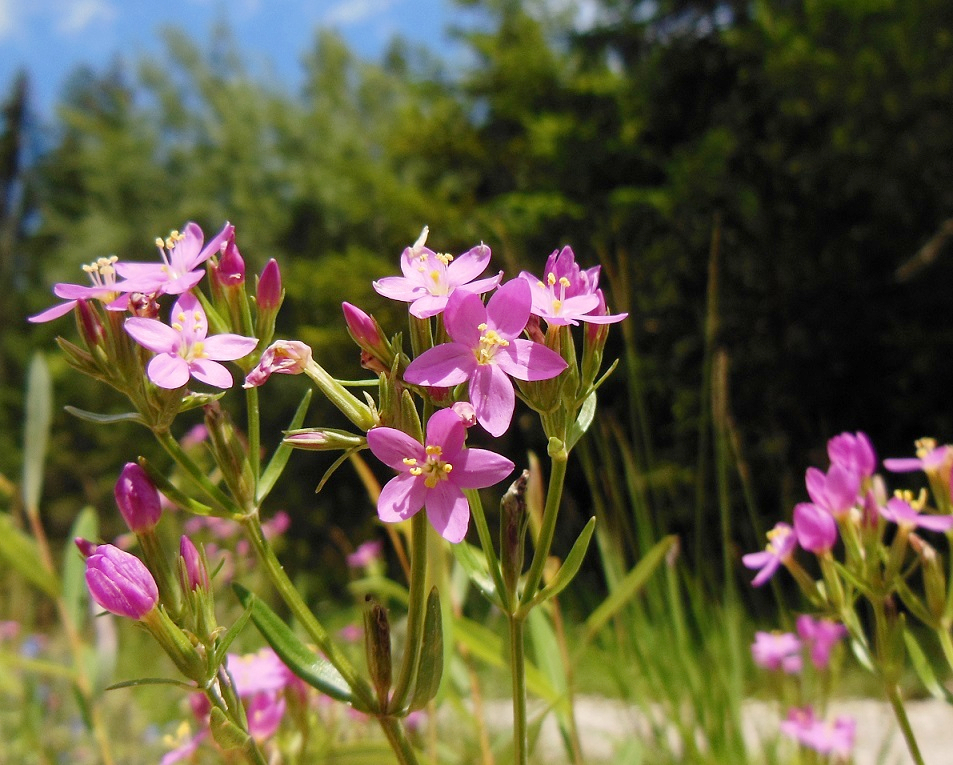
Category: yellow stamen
<point>409,461</point>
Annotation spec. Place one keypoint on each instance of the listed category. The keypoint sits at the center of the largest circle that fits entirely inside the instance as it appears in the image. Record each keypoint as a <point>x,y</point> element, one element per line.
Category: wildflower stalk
<point>398,740</point>
<point>415,610</point>
<point>174,450</point>
<point>559,457</point>
<point>254,433</point>
<point>900,713</point>
<point>517,638</point>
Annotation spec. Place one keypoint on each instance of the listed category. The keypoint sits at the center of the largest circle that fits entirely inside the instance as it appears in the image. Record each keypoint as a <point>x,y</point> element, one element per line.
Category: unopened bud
<point>377,354</point>
<point>137,498</point>
<point>323,439</point>
<point>269,294</point>
<point>284,357</point>
<point>119,582</point>
<point>377,647</point>
<point>193,566</point>
<point>513,524</point>
<point>90,326</point>
<point>934,579</point>
<point>231,266</point>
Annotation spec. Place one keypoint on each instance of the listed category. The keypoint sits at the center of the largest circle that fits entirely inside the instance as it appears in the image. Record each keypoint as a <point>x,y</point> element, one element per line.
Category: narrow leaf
<point>174,493</point>
<point>225,641</point>
<point>570,567</point>
<point>20,551</point>
<point>334,466</point>
<point>39,415</point>
<point>305,663</point>
<point>430,669</point>
<point>923,669</point>
<point>151,681</point>
<point>105,419</point>
<point>280,458</point>
<point>628,588</point>
<point>587,413</point>
<point>75,592</point>
<point>472,561</point>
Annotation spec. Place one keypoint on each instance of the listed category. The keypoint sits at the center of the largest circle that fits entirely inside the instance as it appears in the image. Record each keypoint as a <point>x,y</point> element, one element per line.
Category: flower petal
<point>168,370</point>
<point>443,366</point>
<point>392,446</point>
<point>428,305</point>
<point>53,312</point>
<point>228,347</point>
<point>153,334</point>
<point>479,468</point>
<point>211,372</point>
<point>446,430</point>
<point>448,511</point>
<point>468,266</point>
<point>398,288</point>
<point>463,317</point>
<point>509,307</point>
<point>493,398</point>
<point>526,360</point>
<point>401,497</point>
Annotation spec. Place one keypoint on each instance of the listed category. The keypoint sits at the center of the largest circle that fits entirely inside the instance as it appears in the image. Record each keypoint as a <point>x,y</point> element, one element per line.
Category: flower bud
<point>231,266</point>
<point>270,294</point>
<point>513,524</point>
<point>194,568</point>
<point>137,499</point>
<point>323,439</point>
<point>377,646</point>
<point>377,354</point>
<point>120,582</point>
<point>815,528</point>
<point>90,326</point>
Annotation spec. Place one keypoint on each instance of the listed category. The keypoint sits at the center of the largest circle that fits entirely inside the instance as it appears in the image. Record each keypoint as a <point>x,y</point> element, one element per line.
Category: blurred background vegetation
<point>768,186</point>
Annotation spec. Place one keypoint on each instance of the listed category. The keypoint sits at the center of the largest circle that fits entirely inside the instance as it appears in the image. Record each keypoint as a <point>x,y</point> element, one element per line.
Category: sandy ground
<point>605,724</point>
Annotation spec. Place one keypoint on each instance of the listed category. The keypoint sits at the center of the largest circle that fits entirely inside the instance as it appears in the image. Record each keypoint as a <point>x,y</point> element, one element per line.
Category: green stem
<point>292,598</point>
<point>900,712</point>
<point>398,740</point>
<point>254,433</point>
<point>554,493</point>
<point>415,610</point>
<point>946,643</point>
<point>218,497</point>
<point>518,671</point>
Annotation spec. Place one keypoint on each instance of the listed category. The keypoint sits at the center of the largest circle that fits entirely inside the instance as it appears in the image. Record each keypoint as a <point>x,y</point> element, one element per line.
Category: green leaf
<point>280,458</point>
<point>472,561</point>
<point>39,415</point>
<point>923,669</point>
<point>20,551</point>
<point>305,663</point>
<point>334,466</point>
<point>570,567</point>
<point>587,413</point>
<point>151,681</point>
<point>75,592</point>
<point>226,734</point>
<point>224,642</point>
<point>430,668</point>
<point>173,492</point>
<point>105,419</point>
<point>195,400</point>
<point>628,588</point>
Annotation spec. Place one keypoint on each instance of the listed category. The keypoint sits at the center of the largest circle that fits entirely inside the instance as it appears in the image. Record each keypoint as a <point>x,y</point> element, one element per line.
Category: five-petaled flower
<point>486,350</point>
<point>905,515</point>
<point>434,474</point>
<point>430,278</point>
<point>182,253</point>
<point>568,294</point>
<point>184,350</point>
<point>781,544</point>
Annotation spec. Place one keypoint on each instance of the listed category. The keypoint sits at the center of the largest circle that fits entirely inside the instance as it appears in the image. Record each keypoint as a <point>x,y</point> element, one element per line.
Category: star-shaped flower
<point>184,350</point>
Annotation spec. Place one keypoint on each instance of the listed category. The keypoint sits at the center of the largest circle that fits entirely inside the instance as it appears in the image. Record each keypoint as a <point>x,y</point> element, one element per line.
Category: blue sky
<point>49,38</point>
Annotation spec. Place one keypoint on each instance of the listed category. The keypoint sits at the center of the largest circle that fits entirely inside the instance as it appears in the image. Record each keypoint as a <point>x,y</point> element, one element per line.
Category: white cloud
<point>76,16</point>
<point>355,11</point>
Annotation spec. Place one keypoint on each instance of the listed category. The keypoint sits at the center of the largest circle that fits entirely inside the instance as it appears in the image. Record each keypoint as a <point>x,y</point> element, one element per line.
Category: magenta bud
<point>284,357</point>
<point>137,498</point>
<point>269,292</point>
<point>362,327</point>
<point>231,266</point>
<point>196,573</point>
<point>465,412</point>
<point>90,325</point>
<point>120,582</point>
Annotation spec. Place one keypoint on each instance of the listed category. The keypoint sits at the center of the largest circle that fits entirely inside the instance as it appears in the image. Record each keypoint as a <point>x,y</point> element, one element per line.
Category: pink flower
<point>102,273</point>
<point>821,635</point>
<point>815,528</point>
<point>365,554</point>
<point>120,582</point>
<point>486,350</point>
<point>902,513</point>
<point>137,499</point>
<point>568,294</point>
<point>835,738</point>
<point>777,650</point>
<point>182,254</point>
<point>430,278</point>
<point>184,350</point>
<point>836,491</point>
<point>434,473</point>
<point>780,548</point>
<point>854,453</point>
<point>282,357</point>
<point>930,459</point>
